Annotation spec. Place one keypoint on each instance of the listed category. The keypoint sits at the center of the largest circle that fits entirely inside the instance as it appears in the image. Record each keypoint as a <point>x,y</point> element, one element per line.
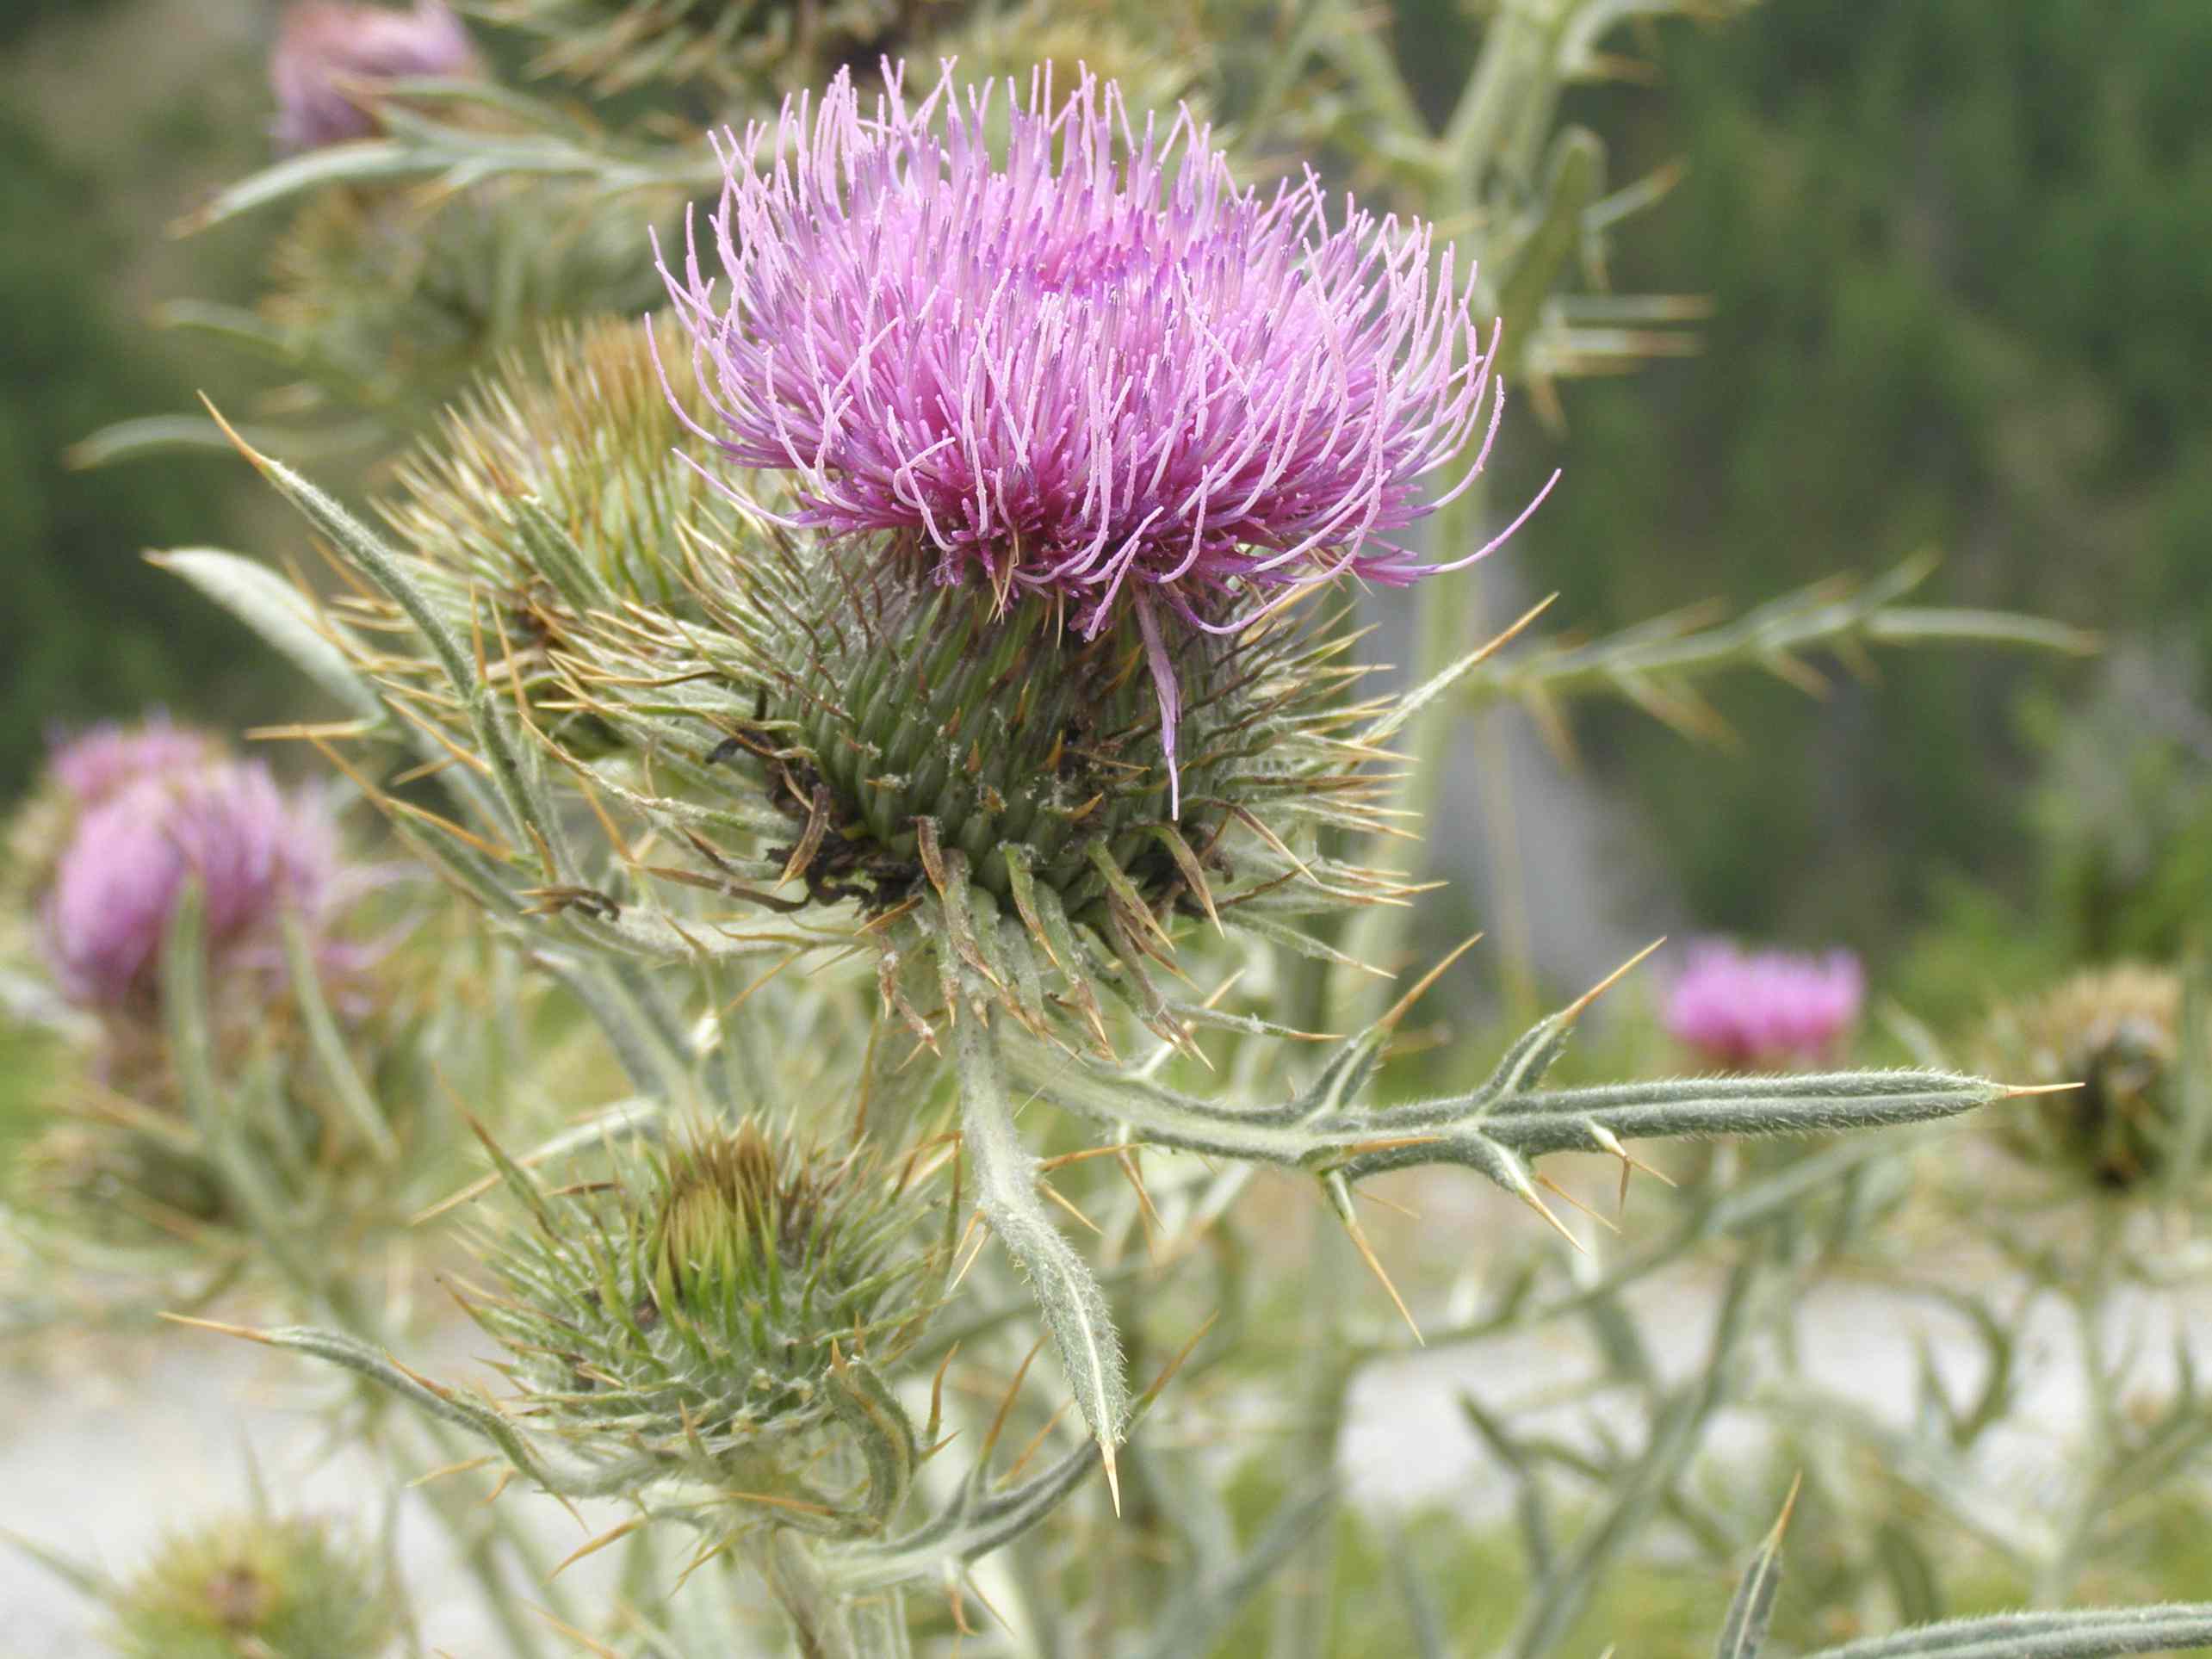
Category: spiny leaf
<point>2087,1633</point>
<point>274,609</point>
<point>1743,1634</point>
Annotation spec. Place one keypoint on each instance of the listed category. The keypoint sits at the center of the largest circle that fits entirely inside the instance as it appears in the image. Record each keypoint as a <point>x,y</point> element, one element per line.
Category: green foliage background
<point>1957,253</point>
<point>87,187</point>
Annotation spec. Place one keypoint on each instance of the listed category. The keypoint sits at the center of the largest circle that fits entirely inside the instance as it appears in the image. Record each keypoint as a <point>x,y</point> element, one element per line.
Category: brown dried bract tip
<point>1404,1006</point>
<point>1553,1186</point>
<point>1528,1196</point>
<point>1339,1200</point>
<point>1575,1010</point>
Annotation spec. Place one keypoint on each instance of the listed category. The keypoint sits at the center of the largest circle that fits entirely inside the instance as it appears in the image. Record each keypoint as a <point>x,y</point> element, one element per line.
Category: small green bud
<point>556,488</point>
<point>2116,1032</point>
<point>253,1587</point>
<point>1159,61</point>
<point>733,1223</point>
<point>710,1314</point>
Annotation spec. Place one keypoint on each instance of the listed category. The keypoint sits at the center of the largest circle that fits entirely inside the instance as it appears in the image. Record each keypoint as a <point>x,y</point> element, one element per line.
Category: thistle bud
<point>2117,1032</point>
<point>1159,61</point>
<point>255,1586</point>
<point>574,440</point>
<point>712,1313</point>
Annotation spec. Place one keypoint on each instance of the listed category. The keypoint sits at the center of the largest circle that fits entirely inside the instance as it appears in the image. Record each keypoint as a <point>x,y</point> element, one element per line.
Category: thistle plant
<point>247,1585</point>
<point>246,1022</point>
<point>903,701</point>
<point>2120,1032</point>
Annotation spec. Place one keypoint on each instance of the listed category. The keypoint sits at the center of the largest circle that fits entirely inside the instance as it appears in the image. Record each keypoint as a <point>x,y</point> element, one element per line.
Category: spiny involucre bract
<point>1096,370</point>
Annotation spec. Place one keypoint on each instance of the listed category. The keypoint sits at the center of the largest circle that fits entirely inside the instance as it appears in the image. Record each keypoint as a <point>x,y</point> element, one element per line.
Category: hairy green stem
<point>821,1621</point>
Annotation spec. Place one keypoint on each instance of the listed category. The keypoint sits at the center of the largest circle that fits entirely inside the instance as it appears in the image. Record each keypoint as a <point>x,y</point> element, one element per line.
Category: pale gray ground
<point>102,1456</point>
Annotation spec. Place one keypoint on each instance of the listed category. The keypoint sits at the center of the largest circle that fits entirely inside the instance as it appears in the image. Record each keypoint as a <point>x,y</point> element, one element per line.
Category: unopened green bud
<point>735,1219</point>
<point>711,1314</point>
<point>1159,61</point>
<point>253,1587</point>
<point>2116,1032</point>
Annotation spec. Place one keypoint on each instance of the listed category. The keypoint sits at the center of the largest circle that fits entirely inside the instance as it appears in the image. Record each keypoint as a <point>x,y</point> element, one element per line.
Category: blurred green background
<point>1956,251</point>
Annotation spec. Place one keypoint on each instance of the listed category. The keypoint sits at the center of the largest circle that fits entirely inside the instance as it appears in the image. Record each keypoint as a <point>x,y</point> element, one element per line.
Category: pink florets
<point>1740,1008</point>
<point>97,762</point>
<point>253,848</point>
<point>1097,370</point>
<point>323,45</point>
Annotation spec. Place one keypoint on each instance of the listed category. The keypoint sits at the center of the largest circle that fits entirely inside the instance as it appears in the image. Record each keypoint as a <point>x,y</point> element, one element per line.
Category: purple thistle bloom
<point>100,760</point>
<point>253,848</point>
<point>1099,371</point>
<point>1750,1008</point>
<point>323,45</point>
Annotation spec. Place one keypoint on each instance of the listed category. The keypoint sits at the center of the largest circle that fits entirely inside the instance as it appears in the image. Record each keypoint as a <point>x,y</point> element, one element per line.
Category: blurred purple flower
<point>321,46</point>
<point>253,848</point>
<point>1742,1008</point>
<point>97,762</point>
<point>1116,380</point>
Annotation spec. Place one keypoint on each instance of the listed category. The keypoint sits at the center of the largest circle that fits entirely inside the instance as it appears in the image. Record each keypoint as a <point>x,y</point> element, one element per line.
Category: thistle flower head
<point>256,1585</point>
<point>323,45</point>
<point>1743,1009</point>
<point>2117,1032</point>
<point>708,1315</point>
<point>252,848</point>
<point>817,726</point>
<point>83,771</point>
<point>1096,371</point>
